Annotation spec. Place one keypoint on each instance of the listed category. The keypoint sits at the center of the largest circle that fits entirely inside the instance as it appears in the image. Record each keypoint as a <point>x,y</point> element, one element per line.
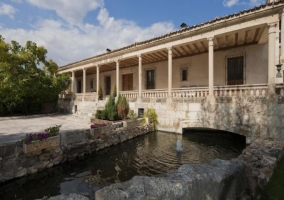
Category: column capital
<point>272,27</point>
<point>210,38</point>
<point>117,61</point>
<point>169,48</point>
<point>84,68</point>
<point>210,41</point>
<point>139,55</point>
<point>272,24</point>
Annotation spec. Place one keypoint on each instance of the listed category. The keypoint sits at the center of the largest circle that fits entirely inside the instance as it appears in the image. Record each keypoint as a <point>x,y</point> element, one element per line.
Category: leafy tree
<point>27,79</point>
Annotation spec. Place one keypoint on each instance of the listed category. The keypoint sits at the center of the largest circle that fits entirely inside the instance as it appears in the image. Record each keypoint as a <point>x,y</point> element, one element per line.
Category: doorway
<point>127,82</point>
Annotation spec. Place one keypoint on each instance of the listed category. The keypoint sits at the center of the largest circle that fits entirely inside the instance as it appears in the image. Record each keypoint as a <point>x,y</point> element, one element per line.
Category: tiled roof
<point>182,30</point>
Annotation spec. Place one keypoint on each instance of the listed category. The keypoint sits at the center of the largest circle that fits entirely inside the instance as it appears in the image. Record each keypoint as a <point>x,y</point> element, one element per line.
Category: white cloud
<point>67,43</point>
<point>8,10</point>
<point>17,1</point>
<point>72,11</point>
<point>229,3</point>
<point>256,2</point>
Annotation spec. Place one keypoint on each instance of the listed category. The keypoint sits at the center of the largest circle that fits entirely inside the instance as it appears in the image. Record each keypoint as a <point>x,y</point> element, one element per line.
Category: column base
<point>169,100</point>
<point>211,99</point>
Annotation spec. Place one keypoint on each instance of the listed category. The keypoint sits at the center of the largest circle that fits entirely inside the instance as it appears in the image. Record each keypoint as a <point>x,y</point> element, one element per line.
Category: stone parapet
<point>74,144</point>
<point>218,180</point>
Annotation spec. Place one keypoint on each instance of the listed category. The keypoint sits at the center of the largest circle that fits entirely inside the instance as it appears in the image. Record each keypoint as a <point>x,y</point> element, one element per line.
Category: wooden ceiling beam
<point>183,49</point>
<point>203,45</point>
<point>196,47</point>
<point>256,34</point>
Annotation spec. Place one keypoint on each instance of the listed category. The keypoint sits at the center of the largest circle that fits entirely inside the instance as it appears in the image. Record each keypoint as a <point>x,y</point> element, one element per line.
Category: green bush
<point>53,130</point>
<point>151,113</point>
<point>122,107</point>
<point>132,115</point>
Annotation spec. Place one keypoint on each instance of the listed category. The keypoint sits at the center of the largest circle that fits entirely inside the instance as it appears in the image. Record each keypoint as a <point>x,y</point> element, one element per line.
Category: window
<point>183,74</point>
<point>150,79</point>
<point>235,70</point>
<point>92,84</point>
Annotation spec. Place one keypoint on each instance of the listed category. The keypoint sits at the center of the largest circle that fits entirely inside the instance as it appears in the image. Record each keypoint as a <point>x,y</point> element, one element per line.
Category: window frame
<point>183,68</point>
<point>244,67</point>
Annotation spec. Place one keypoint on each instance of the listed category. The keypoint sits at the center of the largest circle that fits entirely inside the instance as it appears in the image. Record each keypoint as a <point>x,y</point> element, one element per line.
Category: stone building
<point>224,74</point>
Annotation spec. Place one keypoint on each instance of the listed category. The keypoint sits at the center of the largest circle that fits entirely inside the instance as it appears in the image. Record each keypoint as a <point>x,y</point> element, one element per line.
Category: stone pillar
<point>282,37</point>
<point>84,83</point>
<point>139,78</point>
<point>211,65</point>
<point>117,78</point>
<point>98,82</point>
<point>271,57</point>
<point>73,82</point>
<point>170,72</point>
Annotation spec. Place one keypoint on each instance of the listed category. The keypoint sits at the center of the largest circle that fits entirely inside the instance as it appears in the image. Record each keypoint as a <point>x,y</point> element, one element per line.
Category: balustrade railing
<point>241,90</point>
<point>280,89</point>
<point>192,92</point>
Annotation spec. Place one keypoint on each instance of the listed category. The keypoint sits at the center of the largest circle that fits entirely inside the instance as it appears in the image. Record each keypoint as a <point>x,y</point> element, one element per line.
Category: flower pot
<point>38,146</point>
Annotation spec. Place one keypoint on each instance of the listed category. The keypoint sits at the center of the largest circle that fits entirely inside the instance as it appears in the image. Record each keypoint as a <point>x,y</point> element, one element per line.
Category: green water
<point>274,189</point>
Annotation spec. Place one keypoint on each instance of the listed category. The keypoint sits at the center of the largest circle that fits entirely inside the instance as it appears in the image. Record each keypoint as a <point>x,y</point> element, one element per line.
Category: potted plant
<point>99,129</point>
<point>36,142</point>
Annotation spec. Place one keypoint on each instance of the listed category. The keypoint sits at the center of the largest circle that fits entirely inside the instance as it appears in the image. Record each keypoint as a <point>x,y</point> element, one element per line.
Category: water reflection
<point>150,154</point>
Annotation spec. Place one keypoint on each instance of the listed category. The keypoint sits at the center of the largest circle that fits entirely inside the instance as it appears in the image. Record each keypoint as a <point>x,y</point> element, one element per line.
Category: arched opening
<point>218,140</point>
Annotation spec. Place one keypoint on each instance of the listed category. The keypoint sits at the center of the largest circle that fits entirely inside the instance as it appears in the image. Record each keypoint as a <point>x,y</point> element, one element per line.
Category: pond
<point>150,154</point>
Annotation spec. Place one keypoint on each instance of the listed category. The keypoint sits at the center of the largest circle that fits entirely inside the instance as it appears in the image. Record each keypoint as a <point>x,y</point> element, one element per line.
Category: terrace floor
<point>13,129</point>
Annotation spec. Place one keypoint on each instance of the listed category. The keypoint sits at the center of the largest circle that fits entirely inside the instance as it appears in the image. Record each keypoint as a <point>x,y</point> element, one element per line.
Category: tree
<point>27,79</point>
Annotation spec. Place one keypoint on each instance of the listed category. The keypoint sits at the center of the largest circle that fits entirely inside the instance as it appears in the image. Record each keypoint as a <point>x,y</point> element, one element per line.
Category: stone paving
<point>15,128</point>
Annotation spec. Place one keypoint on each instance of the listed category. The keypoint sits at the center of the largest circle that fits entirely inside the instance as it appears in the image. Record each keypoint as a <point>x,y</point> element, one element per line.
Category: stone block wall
<point>74,144</point>
<point>254,117</point>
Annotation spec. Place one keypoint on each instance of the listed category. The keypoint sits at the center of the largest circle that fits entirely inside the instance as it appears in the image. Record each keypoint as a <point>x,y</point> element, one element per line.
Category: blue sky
<point>72,30</point>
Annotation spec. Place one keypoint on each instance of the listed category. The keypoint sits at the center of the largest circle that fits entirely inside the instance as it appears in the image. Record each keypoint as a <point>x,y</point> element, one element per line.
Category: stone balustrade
<point>199,92</point>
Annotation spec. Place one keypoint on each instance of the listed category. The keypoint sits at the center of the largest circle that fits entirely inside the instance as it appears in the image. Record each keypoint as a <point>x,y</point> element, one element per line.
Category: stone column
<point>271,57</point>
<point>72,82</point>
<point>84,83</point>
<point>211,65</point>
<point>139,78</point>
<point>170,72</point>
<point>282,37</point>
<point>98,82</point>
<point>117,78</point>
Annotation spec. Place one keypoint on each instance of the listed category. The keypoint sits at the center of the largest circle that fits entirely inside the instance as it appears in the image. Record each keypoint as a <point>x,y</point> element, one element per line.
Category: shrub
<point>53,130</point>
<point>151,113</point>
<point>122,107</point>
<point>110,111</point>
<point>100,92</point>
<point>114,90</point>
<point>132,115</point>
<point>49,132</point>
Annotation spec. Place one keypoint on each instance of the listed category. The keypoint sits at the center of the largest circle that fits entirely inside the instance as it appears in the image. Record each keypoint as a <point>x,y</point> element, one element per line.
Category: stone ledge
<point>218,180</point>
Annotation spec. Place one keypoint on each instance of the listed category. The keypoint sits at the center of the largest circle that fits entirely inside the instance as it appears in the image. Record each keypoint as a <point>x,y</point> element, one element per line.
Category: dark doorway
<point>79,86</point>
<point>150,79</point>
<point>108,84</point>
<point>127,82</point>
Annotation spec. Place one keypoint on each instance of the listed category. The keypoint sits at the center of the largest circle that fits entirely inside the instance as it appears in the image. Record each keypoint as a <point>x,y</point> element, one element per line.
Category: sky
<point>72,30</point>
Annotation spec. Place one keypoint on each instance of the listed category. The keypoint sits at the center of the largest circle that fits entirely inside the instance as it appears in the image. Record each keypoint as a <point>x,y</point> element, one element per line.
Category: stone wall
<point>243,178</point>
<point>218,180</point>
<point>254,117</point>
<point>77,143</point>
<point>261,158</point>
